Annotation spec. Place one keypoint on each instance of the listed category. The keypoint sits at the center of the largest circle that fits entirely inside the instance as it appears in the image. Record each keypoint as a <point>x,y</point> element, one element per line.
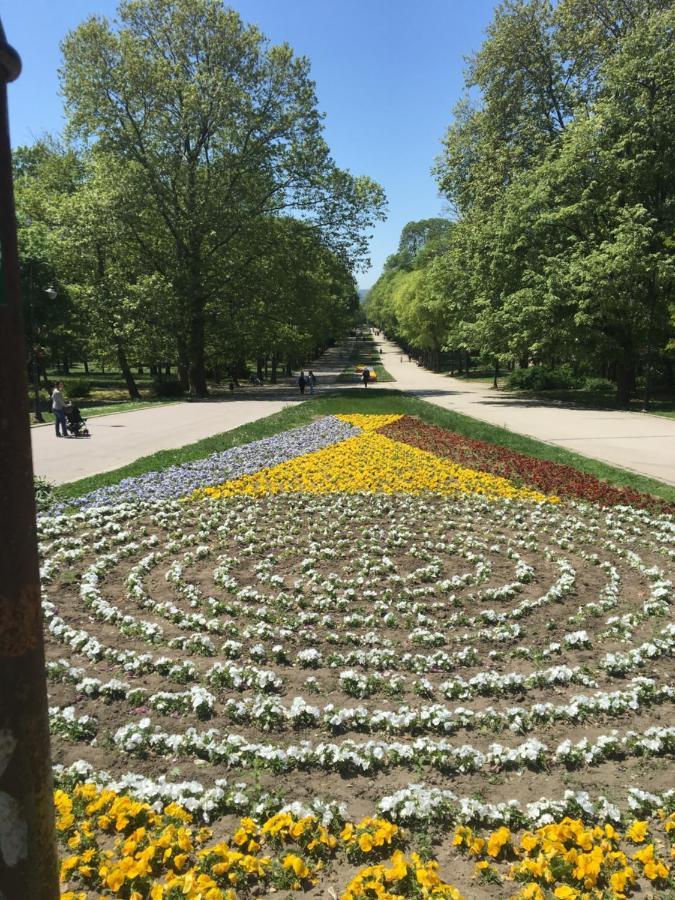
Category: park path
<point>120,438</point>
<point>641,443</point>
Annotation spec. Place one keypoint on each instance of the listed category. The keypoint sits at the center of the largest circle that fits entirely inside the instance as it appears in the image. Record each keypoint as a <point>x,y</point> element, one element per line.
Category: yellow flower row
<point>588,861</point>
<point>371,463</point>
<point>120,847</point>
<point>369,422</point>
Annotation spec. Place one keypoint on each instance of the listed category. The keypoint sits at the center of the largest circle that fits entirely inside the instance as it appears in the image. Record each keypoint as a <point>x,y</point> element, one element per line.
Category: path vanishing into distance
<point>120,438</point>
<point>636,441</point>
<point>641,443</point>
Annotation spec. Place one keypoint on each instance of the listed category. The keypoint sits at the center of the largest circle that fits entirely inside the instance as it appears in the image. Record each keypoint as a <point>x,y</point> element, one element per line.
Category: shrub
<point>599,385</point>
<point>45,493</point>
<point>165,386</point>
<point>78,388</point>
<point>542,378</point>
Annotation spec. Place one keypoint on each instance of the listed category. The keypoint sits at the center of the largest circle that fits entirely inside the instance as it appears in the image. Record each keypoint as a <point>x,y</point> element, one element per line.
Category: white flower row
<point>637,657</point>
<point>196,700</point>
<point>488,684</point>
<point>418,804</point>
<point>269,713</point>
<point>142,739</point>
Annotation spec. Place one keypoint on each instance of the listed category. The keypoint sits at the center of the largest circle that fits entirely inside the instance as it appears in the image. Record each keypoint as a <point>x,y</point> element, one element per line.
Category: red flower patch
<point>549,477</point>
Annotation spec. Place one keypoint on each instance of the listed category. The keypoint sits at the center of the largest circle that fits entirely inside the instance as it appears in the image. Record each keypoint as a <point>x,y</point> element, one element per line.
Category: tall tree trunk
<point>167,370</point>
<point>196,338</point>
<point>496,374</point>
<point>625,379</point>
<point>45,380</point>
<point>126,370</point>
<point>275,363</point>
<point>182,353</point>
<point>85,363</point>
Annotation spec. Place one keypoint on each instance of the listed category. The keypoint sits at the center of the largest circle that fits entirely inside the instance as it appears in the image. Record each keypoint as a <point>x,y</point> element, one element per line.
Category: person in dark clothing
<point>365,376</point>
<point>302,381</point>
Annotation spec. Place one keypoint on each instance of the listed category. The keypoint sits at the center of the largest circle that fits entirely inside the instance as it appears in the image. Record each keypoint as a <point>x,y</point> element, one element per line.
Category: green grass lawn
<point>375,402</point>
<point>364,354</point>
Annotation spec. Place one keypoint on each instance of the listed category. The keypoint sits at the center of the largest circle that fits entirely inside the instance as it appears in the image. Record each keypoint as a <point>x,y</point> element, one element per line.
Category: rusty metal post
<point>28,861</point>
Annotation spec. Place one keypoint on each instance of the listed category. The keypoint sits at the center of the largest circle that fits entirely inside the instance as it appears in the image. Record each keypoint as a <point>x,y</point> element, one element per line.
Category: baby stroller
<point>77,426</point>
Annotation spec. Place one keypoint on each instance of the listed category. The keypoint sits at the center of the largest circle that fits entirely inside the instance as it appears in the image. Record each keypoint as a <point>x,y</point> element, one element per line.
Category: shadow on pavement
<point>528,402</point>
<point>432,392</point>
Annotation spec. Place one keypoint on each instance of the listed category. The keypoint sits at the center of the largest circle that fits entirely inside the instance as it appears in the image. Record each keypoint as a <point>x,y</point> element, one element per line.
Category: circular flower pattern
<point>431,657</point>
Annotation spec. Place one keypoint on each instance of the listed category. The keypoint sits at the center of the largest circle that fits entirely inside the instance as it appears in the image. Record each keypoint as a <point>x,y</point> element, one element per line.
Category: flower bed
<point>373,463</point>
<point>437,661</point>
<point>177,481</point>
<point>549,477</point>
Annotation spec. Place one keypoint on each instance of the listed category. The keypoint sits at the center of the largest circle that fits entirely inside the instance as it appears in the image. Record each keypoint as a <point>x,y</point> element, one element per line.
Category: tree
<point>217,128</point>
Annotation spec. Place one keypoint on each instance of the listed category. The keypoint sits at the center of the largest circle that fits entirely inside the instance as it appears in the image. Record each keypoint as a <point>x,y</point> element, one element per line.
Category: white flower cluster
<point>66,723</point>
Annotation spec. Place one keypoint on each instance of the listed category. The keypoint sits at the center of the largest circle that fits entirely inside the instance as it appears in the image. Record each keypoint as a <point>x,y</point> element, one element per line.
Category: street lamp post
<point>28,861</point>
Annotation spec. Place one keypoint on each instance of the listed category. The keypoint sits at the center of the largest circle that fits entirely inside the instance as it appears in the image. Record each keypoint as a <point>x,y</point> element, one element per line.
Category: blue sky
<point>388,74</point>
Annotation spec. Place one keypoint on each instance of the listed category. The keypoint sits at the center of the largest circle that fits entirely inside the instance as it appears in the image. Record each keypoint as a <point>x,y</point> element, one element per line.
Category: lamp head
<point>52,293</point>
<point>10,61</point>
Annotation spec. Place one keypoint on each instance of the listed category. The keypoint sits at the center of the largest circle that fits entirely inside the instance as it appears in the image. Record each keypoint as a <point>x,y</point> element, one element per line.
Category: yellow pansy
<point>638,832</point>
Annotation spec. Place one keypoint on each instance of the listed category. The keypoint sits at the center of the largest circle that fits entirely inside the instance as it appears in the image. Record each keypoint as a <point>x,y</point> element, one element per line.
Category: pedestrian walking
<point>59,410</point>
<point>302,381</point>
<point>365,376</point>
<point>311,379</point>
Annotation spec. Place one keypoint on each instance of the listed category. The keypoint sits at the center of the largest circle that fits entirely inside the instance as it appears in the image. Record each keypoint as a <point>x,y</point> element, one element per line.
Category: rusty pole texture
<point>28,861</point>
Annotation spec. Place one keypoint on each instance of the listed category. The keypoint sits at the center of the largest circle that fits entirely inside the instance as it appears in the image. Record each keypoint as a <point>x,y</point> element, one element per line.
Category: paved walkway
<point>635,441</point>
<point>120,438</point>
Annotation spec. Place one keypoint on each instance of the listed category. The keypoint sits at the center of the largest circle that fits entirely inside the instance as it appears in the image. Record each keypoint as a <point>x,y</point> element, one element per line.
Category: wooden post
<point>28,860</point>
